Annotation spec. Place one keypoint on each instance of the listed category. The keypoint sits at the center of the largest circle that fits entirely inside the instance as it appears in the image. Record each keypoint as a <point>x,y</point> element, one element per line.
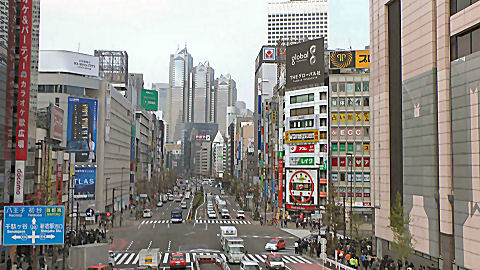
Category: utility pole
<point>113,206</point>
<point>121,198</point>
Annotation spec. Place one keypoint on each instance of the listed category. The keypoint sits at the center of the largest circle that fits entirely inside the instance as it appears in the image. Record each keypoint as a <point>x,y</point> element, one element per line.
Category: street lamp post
<point>350,155</point>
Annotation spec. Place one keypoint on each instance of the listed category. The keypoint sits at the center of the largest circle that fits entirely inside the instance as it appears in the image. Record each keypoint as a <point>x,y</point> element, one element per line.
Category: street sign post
<point>89,212</point>
<point>33,225</point>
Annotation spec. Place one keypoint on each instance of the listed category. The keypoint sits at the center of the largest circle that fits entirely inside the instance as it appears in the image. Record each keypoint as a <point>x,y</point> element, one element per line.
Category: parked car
<point>147,213</point>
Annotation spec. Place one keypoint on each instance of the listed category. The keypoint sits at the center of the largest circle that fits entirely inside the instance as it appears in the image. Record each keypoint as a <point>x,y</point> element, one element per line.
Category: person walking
<point>296,247</point>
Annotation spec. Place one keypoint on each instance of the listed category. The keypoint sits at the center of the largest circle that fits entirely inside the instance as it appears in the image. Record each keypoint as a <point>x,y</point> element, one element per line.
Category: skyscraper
<point>203,80</point>
<point>424,105</point>
<point>226,95</point>
<point>297,20</point>
<point>162,89</point>
<point>180,96</point>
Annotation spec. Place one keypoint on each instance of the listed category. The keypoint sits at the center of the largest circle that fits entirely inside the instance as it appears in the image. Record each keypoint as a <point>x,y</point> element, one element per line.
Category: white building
<point>306,145</point>
<point>218,155</point>
<point>297,20</point>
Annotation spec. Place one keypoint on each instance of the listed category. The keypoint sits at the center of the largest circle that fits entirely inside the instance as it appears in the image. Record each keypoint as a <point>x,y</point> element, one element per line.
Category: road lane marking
<point>260,258</point>
<point>143,222</point>
<point>165,259</point>
<point>288,259</point>
<point>150,244</point>
<point>156,221</point>
<point>118,256</point>
<point>123,258</point>
<point>251,257</point>
<point>129,246</point>
<point>136,259</point>
<point>303,260</point>
<point>169,244</point>
<point>130,258</point>
<point>223,257</point>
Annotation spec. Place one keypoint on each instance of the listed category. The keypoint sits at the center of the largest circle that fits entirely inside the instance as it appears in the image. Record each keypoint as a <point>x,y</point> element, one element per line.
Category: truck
<point>213,259</point>
<point>225,232</point>
<point>235,253</point>
<point>149,257</point>
<point>84,256</point>
<point>232,241</point>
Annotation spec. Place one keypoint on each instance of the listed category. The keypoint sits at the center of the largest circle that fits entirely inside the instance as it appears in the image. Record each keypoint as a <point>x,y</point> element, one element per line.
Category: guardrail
<point>337,265</point>
<point>212,259</point>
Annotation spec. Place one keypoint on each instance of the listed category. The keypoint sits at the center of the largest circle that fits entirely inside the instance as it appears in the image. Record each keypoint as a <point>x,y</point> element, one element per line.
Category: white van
<point>232,241</point>
<point>235,253</point>
<point>149,257</point>
<point>227,231</point>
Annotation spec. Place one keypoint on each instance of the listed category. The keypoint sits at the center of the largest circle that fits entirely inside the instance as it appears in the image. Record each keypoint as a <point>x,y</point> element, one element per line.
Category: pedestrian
<point>296,247</point>
<point>376,264</point>
<point>9,264</point>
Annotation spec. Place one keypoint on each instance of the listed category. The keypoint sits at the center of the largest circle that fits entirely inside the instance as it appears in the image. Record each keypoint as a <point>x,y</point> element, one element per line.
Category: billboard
<point>82,128</point>
<point>304,148</point>
<point>149,100</point>
<point>68,62</point>
<point>266,54</point>
<point>305,64</point>
<point>202,138</point>
<point>302,187</point>
<point>84,183</point>
<point>56,123</point>
<point>350,59</point>
<point>303,136</point>
<point>251,145</point>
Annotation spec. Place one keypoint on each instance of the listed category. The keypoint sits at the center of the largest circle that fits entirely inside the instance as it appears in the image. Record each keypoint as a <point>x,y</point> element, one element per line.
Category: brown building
<point>425,78</point>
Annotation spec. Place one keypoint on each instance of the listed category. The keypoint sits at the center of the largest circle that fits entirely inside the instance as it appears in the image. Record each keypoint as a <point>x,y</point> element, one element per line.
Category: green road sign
<point>149,100</point>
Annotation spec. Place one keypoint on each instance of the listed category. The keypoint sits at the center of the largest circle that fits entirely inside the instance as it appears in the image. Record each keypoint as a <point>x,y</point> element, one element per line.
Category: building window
<point>458,5</point>
<point>358,87</point>
<point>341,87</point>
<point>349,101</point>
<point>349,87</point>
<point>302,111</point>
<point>302,98</point>
<point>465,43</point>
<point>366,86</point>
<point>341,102</point>
<point>366,101</point>
<point>358,147</point>
<point>358,102</point>
<point>334,102</point>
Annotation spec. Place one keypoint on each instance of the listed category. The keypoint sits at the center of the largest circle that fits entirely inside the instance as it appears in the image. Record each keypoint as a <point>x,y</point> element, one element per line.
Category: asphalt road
<point>197,237</point>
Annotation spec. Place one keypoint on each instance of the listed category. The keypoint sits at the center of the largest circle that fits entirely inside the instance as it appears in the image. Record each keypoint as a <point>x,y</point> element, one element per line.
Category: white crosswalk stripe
<point>165,258</point>
<point>131,258</point>
<point>221,221</point>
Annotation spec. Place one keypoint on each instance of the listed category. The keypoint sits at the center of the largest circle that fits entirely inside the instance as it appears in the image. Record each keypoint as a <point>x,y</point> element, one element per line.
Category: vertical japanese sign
<point>23,98</point>
<point>59,183</point>
<point>280,182</point>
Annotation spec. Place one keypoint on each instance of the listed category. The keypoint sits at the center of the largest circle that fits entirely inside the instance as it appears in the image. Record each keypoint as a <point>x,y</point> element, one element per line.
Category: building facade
<point>297,20</point>
<point>162,89</point>
<point>203,82</point>
<point>350,139</point>
<point>179,92</point>
<point>226,95</point>
<point>424,105</point>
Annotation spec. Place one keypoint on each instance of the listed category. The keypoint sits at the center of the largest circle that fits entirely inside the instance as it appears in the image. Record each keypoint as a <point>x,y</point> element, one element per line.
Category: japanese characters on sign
<point>350,59</point>
<point>305,65</point>
<point>24,61</point>
<point>9,95</point>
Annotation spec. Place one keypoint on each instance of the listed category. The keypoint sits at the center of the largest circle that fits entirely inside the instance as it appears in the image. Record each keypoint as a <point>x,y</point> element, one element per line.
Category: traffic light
<point>155,196</point>
<point>108,214</point>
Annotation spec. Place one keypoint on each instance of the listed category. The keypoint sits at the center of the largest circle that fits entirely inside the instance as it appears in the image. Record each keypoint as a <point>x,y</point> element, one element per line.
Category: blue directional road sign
<point>33,225</point>
<point>89,212</point>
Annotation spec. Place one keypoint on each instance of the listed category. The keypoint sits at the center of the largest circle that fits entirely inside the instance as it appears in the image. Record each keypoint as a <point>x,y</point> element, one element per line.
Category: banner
<point>24,69</point>
<point>82,128</point>
<point>84,183</point>
<point>280,182</point>
<point>19,182</point>
<point>350,59</point>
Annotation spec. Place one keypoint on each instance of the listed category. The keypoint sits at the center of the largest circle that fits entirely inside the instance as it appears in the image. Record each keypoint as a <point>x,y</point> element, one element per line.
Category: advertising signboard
<point>301,187</point>
<point>251,145</point>
<point>149,100</point>
<point>301,136</point>
<point>84,183</point>
<point>304,148</point>
<point>68,62</point>
<point>56,123</point>
<point>82,128</point>
<point>33,225</point>
<point>350,59</point>
<point>301,161</point>
<point>305,64</point>
<point>202,138</point>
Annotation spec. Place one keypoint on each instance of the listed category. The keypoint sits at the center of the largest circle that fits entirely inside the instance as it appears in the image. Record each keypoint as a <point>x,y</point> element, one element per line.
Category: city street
<point>197,237</point>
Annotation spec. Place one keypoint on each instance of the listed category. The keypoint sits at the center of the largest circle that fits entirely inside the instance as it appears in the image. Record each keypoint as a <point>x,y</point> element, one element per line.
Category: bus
<point>176,215</point>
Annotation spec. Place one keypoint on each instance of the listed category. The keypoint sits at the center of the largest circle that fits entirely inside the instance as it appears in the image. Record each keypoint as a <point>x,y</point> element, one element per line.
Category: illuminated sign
<point>304,136</point>
<point>350,59</point>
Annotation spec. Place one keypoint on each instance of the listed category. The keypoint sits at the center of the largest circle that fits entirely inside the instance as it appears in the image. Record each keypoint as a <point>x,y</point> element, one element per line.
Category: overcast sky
<point>227,33</point>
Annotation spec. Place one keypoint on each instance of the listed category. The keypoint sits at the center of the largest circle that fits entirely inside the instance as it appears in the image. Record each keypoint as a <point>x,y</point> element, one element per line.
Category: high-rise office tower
<point>297,20</point>
<point>226,95</point>
<point>180,105</point>
<point>425,80</point>
<point>203,80</point>
<point>162,89</point>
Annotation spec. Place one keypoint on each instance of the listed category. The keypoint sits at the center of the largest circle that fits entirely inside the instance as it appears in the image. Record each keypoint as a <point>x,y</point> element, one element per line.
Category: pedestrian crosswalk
<point>160,221</point>
<point>131,258</point>
<point>223,221</point>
